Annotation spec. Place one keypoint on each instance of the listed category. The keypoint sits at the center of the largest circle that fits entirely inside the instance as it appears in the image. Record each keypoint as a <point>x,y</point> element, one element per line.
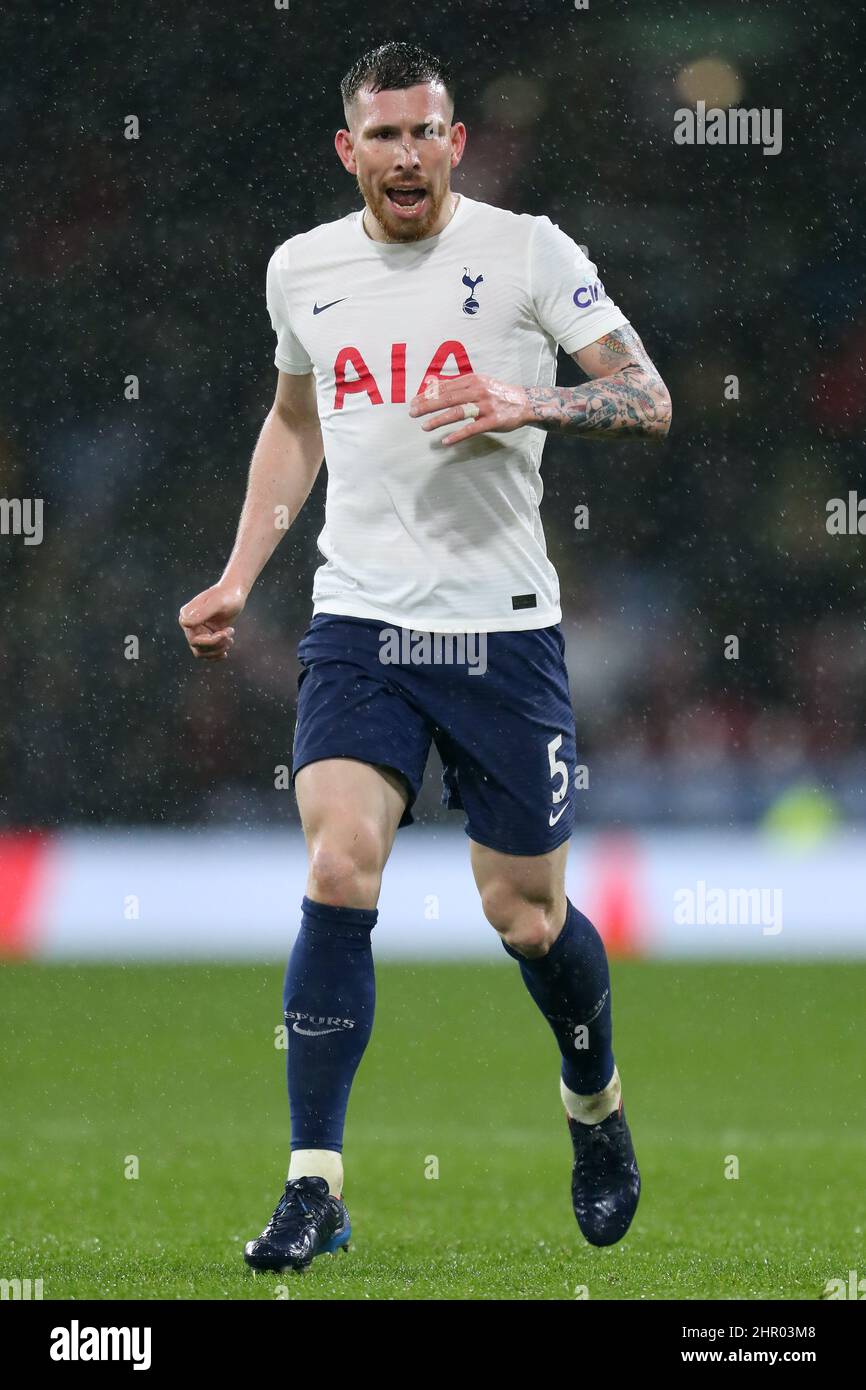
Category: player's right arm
<point>284,466</point>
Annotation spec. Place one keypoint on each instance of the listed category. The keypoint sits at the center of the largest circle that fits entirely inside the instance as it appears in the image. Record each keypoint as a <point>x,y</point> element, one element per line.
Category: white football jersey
<point>440,538</point>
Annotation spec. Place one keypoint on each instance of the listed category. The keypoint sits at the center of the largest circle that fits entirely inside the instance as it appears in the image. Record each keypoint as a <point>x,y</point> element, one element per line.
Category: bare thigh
<point>350,812</point>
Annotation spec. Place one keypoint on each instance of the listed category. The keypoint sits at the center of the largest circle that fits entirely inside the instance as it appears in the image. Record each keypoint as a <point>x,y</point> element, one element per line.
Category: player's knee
<point>346,873</point>
<point>526,925</point>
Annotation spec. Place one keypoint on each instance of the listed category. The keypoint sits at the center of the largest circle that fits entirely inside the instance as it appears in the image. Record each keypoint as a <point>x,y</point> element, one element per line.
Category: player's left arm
<point>625,397</point>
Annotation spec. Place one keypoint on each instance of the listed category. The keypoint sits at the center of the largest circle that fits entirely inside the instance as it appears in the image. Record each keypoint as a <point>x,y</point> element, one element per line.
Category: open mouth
<point>406,197</point>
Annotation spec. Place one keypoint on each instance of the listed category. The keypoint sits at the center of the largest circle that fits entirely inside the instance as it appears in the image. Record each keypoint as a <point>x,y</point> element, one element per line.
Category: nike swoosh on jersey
<point>320,308</point>
<point>552,819</point>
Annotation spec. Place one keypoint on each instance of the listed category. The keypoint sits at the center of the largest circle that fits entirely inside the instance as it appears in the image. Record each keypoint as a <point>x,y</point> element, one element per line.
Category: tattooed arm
<point>625,396</point>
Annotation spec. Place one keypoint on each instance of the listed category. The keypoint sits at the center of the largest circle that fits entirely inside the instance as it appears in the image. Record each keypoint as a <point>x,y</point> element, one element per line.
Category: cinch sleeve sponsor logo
<point>587,295</point>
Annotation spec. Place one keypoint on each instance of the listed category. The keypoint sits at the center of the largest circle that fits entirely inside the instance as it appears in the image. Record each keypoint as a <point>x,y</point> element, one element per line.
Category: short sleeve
<point>290,356</point>
<point>569,300</point>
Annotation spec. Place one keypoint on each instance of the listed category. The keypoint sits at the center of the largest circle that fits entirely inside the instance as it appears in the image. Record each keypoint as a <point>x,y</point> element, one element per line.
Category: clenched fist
<point>205,621</point>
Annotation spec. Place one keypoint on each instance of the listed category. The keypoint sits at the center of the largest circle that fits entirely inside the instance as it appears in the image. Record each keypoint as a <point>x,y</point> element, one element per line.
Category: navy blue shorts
<point>496,705</point>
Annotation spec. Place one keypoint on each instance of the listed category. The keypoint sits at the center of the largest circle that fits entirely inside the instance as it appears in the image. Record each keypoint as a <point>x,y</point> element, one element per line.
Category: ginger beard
<point>408,223</point>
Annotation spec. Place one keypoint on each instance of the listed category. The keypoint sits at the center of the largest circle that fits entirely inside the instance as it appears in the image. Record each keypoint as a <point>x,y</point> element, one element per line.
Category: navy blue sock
<point>571,986</point>
<point>328,1001</point>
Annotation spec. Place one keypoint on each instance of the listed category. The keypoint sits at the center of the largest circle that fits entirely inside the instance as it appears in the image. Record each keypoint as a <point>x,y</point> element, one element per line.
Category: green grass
<point>177,1066</point>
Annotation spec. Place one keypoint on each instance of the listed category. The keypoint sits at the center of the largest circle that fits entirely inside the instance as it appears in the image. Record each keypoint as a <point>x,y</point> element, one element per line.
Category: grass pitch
<point>175,1066</point>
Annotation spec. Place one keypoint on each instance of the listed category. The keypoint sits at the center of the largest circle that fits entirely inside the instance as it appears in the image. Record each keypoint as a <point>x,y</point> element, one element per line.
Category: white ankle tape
<point>318,1163</point>
<point>591,1110</point>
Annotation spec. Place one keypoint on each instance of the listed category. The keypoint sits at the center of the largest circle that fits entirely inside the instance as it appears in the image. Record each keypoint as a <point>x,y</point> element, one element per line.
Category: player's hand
<point>206,618</point>
<point>500,406</point>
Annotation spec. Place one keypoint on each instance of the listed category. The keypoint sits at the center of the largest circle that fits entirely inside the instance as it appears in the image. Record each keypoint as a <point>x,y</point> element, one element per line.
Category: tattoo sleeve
<point>625,397</point>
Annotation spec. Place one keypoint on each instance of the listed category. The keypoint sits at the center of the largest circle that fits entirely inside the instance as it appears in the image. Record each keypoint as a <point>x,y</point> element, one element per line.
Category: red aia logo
<point>366,382</point>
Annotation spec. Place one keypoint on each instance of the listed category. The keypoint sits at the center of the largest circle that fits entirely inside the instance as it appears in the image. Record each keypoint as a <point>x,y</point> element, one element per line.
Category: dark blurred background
<point>148,257</point>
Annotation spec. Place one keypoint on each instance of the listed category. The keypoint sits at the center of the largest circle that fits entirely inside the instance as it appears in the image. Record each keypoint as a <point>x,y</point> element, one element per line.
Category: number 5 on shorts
<point>557,768</point>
